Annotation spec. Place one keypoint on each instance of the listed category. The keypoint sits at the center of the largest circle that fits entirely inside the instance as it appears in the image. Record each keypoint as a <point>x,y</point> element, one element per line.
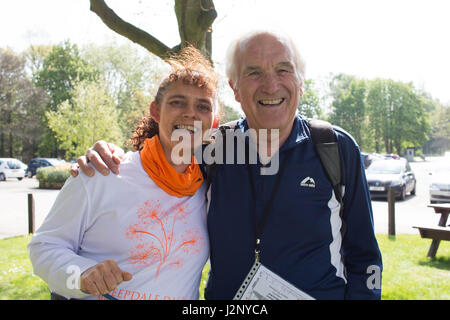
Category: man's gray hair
<point>237,45</point>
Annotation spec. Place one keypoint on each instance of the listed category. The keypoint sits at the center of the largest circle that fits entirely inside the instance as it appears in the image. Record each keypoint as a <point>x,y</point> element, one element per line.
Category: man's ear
<point>155,111</point>
<point>301,89</point>
<point>235,91</point>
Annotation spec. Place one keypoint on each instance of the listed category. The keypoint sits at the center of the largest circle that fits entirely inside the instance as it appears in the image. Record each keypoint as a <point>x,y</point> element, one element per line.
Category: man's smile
<point>271,102</point>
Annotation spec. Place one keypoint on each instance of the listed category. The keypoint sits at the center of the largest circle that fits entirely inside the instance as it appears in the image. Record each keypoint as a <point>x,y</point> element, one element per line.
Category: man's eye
<point>175,103</point>
<point>254,73</point>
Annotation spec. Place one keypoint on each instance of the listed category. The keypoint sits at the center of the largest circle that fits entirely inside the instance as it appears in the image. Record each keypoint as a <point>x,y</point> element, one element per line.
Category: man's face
<point>267,87</point>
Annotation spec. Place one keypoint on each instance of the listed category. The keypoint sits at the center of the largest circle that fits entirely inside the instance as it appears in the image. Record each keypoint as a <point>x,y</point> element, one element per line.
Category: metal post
<point>30,213</point>
<point>391,208</point>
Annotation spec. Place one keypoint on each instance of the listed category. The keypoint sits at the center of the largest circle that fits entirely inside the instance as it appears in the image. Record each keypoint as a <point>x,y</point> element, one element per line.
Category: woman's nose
<point>189,111</point>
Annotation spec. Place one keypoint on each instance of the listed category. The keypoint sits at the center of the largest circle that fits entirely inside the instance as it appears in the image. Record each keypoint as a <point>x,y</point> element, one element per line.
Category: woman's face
<point>181,105</point>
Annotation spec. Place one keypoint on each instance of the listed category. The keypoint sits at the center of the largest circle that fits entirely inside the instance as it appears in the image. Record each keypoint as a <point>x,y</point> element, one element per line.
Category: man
<point>290,219</point>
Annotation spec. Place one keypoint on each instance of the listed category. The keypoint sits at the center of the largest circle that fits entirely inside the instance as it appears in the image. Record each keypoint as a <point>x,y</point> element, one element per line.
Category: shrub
<point>53,177</point>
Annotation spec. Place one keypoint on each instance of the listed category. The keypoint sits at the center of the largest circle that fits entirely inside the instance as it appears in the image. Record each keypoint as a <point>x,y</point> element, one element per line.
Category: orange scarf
<point>164,175</point>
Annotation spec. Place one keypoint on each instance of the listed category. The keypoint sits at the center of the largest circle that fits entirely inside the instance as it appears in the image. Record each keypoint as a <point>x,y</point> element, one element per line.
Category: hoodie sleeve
<point>360,251</point>
<point>53,248</point>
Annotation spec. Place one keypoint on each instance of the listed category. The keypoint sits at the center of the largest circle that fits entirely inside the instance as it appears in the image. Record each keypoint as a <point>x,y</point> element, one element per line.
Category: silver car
<point>440,183</point>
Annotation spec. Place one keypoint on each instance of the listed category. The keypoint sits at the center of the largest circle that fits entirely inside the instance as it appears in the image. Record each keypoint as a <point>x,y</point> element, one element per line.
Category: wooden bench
<point>438,233</point>
<point>435,233</point>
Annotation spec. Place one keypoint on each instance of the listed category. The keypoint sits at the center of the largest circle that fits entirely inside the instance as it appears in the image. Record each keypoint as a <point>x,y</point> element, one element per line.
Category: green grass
<point>17,281</point>
<point>408,274</point>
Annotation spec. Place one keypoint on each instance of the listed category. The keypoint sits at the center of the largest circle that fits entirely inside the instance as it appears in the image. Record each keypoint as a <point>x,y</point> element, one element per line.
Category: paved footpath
<point>14,205</point>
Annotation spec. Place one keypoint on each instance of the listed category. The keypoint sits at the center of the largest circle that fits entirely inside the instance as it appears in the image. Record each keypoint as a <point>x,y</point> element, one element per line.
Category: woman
<point>140,234</point>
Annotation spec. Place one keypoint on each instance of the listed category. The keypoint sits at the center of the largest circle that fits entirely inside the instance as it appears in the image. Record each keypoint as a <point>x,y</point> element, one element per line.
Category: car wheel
<point>413,191</point>
<point>29,174</point>
<point>403,194</point>
<point>19,179</point>
<point>2,177</point>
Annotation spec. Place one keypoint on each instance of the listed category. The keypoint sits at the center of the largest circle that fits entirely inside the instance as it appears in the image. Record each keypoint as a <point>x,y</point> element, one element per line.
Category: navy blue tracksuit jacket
<point>301,240</point>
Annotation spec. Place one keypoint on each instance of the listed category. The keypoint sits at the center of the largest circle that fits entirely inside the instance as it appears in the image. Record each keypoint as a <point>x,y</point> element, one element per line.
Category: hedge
<point>53,177</point>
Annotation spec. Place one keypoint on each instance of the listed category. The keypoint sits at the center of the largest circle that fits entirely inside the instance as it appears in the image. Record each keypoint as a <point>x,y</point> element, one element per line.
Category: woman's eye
<point>204,107</point>
<point>175,103</point>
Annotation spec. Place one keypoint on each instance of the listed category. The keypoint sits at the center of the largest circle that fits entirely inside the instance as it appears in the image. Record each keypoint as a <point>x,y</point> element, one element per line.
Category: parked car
<point>392,156</point>
<point>368,158</point>
<point>41,162</point>
<point>11,168</point>
<point>440,183</point>
<point>391,173</point>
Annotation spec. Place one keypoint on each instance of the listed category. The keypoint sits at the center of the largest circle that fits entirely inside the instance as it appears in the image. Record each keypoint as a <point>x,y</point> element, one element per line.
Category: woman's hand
<point>102,278</point>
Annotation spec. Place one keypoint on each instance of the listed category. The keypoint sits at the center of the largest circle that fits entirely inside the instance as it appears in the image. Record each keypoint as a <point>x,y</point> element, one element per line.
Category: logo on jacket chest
<point>308,182</point>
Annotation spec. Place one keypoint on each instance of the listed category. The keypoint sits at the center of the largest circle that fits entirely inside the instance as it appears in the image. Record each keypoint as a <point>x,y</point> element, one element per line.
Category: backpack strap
<point>326,145</point>
<point>210,169</point>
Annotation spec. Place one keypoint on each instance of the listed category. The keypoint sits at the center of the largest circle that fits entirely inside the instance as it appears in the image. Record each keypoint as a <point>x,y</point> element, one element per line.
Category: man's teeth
<point>186,127</point>
<point>271,101</point>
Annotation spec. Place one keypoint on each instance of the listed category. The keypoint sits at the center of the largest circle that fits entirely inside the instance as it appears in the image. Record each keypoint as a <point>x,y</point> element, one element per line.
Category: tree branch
<point>115,23</point>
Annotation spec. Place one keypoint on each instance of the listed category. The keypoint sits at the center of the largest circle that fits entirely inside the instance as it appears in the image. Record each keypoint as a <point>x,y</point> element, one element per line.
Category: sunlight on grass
<point>17,281</point>
<point>407,275</point>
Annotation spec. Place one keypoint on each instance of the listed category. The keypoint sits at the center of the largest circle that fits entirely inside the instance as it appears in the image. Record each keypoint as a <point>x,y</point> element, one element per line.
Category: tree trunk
<point>2,145</point>
<point>195,18</point>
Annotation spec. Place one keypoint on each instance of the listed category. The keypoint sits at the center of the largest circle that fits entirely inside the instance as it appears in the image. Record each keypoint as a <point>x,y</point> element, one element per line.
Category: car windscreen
<point>54,162</point>
<point>13,164</point>
<point>386,167</point>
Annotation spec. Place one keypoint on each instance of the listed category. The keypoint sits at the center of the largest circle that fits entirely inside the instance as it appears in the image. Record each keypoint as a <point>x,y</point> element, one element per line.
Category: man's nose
<point>270,83</point>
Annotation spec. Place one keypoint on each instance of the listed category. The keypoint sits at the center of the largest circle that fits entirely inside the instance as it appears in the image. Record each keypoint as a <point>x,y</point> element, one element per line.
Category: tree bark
<point>195,18</point>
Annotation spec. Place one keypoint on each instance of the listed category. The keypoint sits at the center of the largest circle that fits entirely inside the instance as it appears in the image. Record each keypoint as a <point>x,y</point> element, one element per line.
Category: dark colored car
<point>41,162</point>
<point>368,158</point>
<point>383,174</point>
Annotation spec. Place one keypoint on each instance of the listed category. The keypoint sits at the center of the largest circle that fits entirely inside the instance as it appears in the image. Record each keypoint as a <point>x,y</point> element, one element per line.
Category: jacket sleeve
<point>54,247</point>
<point>360,251</point>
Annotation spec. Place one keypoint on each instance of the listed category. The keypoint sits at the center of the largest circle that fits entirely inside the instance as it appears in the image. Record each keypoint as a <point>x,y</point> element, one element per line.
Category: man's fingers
<point>96,160</point>
<point>109,156</point>
<point>74,170</point>
<point>83,163</point>
<point>105,152</point>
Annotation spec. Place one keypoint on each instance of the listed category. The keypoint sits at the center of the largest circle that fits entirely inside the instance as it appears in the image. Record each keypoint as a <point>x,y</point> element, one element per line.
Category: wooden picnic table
<point>441,232</point>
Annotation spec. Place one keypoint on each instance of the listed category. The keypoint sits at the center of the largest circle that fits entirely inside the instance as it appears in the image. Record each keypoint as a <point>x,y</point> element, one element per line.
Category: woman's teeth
<point>186,127</point>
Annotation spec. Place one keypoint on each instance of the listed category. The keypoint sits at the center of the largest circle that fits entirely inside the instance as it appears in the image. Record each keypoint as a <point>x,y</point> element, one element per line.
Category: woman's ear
<point>155,111</point>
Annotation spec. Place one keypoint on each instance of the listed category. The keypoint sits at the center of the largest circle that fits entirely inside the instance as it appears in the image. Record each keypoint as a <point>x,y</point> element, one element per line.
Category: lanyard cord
<point>267,208</point>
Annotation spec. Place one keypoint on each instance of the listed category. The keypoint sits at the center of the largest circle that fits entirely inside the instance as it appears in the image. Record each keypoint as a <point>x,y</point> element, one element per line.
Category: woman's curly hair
<point>190,67</point>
